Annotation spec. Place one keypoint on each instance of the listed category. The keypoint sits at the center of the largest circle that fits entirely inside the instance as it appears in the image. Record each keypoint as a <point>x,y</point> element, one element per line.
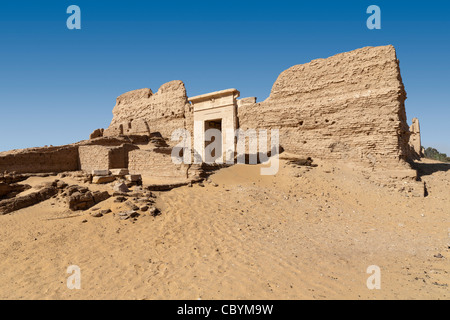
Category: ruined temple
<point>349,107</point>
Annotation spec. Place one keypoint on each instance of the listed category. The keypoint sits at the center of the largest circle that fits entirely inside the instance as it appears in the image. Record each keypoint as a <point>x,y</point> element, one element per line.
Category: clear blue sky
<point>58,85</point>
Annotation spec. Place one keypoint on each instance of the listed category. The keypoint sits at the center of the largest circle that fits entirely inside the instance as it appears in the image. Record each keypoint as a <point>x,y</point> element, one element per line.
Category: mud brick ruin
<point>348,108</point>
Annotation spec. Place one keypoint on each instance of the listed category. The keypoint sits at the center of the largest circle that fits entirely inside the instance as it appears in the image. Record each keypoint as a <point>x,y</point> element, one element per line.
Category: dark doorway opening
<point>216,151</point>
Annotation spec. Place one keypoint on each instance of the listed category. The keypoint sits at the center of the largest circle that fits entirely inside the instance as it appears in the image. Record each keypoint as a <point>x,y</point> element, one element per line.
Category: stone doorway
<point>215,110</point>
<point>214,150</point>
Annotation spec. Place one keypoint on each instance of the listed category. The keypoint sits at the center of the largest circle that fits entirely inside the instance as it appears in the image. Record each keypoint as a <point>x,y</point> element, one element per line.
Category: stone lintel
<point>215,95</point>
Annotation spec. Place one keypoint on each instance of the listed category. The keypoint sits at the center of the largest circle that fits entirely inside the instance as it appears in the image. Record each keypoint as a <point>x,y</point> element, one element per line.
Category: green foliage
<point>432,153</point>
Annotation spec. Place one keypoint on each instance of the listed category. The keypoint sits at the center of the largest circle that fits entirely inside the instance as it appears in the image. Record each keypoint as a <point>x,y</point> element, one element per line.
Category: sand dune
<point>306,233</point>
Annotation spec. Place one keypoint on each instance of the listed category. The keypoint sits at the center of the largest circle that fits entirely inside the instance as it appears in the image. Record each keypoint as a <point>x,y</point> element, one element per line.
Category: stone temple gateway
<point>349,108</point>
<point>216,110</point>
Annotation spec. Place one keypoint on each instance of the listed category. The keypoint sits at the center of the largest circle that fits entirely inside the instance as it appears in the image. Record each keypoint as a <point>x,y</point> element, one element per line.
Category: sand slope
<point>251,237</point>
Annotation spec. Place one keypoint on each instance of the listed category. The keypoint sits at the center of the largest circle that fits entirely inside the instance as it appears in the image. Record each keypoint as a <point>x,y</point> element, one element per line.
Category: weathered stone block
<point>10,205</point>
<point>120,187</point>
<point>103,172</point>
<point>103,179</point>
<point>133,177</point>
<point>119,172</point>
<point>100,196</point>
<point>97,133</point>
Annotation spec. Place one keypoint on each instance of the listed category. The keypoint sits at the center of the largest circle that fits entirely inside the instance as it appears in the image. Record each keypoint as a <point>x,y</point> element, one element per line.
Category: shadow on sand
<point>425,169</point>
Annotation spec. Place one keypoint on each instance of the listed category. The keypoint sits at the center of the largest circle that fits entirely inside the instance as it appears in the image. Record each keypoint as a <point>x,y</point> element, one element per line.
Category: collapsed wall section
<point>142,112</point>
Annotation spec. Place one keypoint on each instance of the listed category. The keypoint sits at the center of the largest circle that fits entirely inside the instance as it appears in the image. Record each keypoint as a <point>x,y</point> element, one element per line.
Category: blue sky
<point>58,85</point>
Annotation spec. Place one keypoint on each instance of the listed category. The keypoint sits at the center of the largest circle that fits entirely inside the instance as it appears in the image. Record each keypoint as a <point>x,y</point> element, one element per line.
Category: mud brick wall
<point>39,160</point>
<point>94,158</point>
<point>142,112</point>
<point>119,156</point>
<point>349,106</point>
<point>101,157</point>
<point>157,163</point>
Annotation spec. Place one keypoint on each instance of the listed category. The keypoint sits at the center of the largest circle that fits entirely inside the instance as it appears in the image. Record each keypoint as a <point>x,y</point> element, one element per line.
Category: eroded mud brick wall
<point>142,112</point>
<point>38,160</point>
<point>97,157</point>
<point>349,106</point>
<point>118,156</point>
<point>93,158</point>
<point>157,164</point>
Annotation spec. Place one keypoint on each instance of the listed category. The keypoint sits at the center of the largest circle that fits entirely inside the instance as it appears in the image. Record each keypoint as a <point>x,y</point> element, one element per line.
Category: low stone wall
<point>14,204</point>
<point>97,157</point>
<point>99,153</point>
<point>93,158</point>
<point>157,163</point>
<point>36,160</point>
<point>119,156</point>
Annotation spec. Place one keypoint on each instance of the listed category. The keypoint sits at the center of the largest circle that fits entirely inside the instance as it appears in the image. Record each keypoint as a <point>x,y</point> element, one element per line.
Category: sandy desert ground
<point>305,233</point>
